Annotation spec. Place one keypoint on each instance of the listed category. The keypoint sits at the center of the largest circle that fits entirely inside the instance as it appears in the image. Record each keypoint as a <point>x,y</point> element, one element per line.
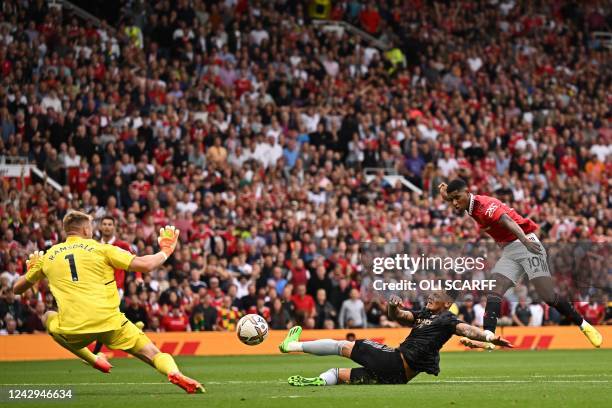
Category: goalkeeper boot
<point>592,334</point>
<point>293,335</point>
<point>299,381</point>
<point>190,385</point>
<point>102,363</point>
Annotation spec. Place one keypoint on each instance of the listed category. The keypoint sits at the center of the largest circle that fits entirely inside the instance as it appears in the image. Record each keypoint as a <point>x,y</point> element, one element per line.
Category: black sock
<point>97,347</point>
<point>492,312</point>
<point>566,309</point>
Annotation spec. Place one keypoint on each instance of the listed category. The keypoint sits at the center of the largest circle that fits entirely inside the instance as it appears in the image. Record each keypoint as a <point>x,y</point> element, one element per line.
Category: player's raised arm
<point>33,274</point>
<point>474,333</point>
<point>394,312</point>
<point>513,227</point>
<point>168,237</point>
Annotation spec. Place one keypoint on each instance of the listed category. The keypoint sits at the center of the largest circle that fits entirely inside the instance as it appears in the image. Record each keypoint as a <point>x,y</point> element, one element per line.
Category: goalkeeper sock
<point>83,353</point>
<point>330,376</point>
<point>325,347</point>
<point>164,363</point>
<point>567,309</point>
<point>492,312</point>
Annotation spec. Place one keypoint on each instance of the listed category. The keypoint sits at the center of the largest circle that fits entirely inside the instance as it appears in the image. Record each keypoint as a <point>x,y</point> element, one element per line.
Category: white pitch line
<point>73,384</point>
<point>463,381</point>
<point>521,381</point>
<point>494,377</point>
<point>514,381</point>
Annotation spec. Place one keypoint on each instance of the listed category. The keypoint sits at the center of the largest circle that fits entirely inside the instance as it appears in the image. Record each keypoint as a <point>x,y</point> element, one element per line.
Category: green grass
<point>499,379</point>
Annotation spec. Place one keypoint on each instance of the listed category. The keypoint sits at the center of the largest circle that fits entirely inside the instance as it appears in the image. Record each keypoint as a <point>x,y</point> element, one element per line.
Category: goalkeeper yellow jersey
<point>81,275</point>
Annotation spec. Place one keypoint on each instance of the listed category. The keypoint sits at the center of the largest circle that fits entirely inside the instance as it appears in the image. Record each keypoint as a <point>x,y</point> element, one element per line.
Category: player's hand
<point>442,188</point>
<point>168,237</point>
<point>395,302</point>
<point>500,341</point>
<point>34,259</point>
<point>533,247</point>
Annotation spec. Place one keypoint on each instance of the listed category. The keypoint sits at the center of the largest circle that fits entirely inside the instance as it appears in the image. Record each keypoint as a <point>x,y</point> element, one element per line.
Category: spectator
<point>175,320</point>
<point>261,309</point>
<point>10,305</point>
<point>304,304</point>
<point>10,325</point>
<point>466,311</point>
<point>479,311</point>
<point>522,315</point>
<point>34,321</point>
<point>279,316</point>
<point>323,309</point>
<point>154,325</point>
<point>136,312</point>
<point>537,313</point>
<point>594,312</point>
<point>352,313</point>
<point>608,316</point>
<point>208,314</point>
<point>228,315</point>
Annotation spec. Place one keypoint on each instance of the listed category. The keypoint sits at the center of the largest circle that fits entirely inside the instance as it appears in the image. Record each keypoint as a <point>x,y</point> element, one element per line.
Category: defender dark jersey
<point>422,346</point>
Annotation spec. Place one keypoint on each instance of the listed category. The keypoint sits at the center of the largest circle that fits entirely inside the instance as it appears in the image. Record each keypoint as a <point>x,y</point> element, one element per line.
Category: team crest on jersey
<point>491,210</point>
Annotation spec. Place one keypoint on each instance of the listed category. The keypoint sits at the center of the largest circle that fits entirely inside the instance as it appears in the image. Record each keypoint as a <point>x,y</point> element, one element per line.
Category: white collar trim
<point>110,241</point>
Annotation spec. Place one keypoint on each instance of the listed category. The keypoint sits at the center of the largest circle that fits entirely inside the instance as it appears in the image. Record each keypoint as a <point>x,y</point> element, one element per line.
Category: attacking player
<point>522,253</point>
<point>81,277</point>
<point>108,232</point>
<point>108,236</point>
<point>380,364</point>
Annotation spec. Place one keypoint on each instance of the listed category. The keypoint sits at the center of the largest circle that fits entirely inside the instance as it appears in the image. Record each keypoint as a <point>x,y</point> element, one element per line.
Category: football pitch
<point>498,379</point>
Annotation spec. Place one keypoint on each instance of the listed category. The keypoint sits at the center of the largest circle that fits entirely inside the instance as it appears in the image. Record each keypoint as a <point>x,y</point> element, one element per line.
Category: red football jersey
<point>488,210</point>
<point>120,274</point>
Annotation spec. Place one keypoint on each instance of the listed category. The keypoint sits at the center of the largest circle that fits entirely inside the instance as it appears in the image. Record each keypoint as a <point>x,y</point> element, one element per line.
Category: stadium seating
<point>249,127</point>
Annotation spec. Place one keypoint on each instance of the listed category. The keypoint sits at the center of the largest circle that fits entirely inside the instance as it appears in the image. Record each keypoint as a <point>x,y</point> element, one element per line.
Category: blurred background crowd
<point>252,129</point>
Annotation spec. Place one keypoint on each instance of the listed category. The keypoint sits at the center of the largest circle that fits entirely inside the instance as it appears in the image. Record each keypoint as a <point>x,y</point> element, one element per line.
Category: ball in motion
<point>252,329</point>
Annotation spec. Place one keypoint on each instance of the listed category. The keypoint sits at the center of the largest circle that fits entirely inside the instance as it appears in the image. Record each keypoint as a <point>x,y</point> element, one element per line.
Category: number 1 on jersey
<point>73,271</point>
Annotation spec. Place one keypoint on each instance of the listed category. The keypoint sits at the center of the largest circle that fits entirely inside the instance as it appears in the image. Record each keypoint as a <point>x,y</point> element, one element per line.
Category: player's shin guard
<point>330,376</point>
<point>325,347</point>
<point>566,309</point>
<point>164,363</point>
<point>492,312</point>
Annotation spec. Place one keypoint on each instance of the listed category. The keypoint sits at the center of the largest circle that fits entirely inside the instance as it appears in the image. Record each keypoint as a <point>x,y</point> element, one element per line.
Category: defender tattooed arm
<point>394,312</point>
<point>474,333</point>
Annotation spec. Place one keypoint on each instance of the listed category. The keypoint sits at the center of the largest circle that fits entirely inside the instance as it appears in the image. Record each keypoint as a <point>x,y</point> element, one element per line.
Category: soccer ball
<point>252,329</point>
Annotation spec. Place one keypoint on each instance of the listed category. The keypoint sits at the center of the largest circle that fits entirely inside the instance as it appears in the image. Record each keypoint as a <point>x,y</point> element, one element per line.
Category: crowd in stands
<point>249,128</point>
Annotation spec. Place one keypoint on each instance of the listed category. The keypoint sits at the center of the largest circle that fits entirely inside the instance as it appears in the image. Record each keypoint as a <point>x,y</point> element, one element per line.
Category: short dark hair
<point>108,217</point>
<point>457,184</point>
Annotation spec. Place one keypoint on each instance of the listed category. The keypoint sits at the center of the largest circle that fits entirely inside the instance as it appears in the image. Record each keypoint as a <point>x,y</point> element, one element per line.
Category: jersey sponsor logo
<point>491,210</point>
<point>422,322</point>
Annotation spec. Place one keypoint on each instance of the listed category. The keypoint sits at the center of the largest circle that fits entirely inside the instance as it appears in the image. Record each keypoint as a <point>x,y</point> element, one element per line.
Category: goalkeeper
<point>81,277</point>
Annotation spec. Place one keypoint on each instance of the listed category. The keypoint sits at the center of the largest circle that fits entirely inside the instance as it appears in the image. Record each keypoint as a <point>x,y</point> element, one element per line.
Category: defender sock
<point>330,376</point>
<point>492,312</point>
